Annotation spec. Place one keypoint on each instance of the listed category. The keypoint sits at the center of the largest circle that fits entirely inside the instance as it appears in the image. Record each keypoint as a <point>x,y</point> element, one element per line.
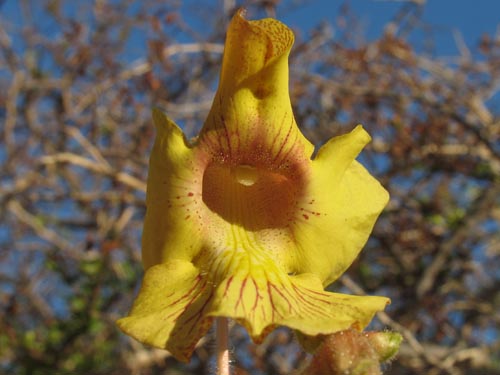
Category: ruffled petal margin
<point>178,301</point>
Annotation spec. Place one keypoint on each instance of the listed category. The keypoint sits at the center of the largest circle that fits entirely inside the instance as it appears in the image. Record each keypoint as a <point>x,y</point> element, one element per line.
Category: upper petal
<point>251,119</point>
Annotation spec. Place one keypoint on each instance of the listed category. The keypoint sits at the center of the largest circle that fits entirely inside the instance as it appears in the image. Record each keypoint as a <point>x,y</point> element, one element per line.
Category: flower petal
<point>177,302</point>
<point>173,201</point>
<point>339,210</point>
<point>170,310</point>
<point>251,118</point>
<point>260,296</point>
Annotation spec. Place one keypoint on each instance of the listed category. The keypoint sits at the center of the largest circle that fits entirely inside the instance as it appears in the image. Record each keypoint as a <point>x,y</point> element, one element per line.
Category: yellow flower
<point>241,223</point>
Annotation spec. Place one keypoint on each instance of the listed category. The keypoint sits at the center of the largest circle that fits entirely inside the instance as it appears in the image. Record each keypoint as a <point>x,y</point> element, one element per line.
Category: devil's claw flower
<point>241,222</point>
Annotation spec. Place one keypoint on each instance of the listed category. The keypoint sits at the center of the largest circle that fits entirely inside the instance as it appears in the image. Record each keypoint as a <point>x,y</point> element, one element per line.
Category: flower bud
<point>351,352</point>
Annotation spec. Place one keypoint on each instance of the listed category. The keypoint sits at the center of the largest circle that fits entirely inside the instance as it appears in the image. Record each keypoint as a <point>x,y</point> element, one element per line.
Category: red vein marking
<point>276,137</point>
<point>292,148</point>
<point>257,296</point>
<point>184,308</point>
<point>323,294</point>
<point>285,141</point>
<point>218,139</point>
<point>171,294</point>
<point>311,306</point>
<point>198,279</point>
<point>283,296</point>
<point>238,137</point>
<point>273,308</point>
<point>226,131</point>
<point>228,284</point>
<point>211,145</point>
<point>200,312</point>
<point>241,296</point>
<point>228,138</point>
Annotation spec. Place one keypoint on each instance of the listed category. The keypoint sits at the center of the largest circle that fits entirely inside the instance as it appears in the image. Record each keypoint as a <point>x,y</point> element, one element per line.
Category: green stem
<point>222,347</point>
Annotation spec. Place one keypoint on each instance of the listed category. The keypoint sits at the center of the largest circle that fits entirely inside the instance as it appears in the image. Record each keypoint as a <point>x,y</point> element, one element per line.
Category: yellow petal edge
<point>241,223</point>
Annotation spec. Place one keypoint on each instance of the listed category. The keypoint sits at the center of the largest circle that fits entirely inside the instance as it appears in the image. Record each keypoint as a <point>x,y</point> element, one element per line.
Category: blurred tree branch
<point>79,83</point>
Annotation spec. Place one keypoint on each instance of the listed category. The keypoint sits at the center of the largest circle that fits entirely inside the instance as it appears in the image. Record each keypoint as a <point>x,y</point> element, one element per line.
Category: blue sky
<point>471,18</point>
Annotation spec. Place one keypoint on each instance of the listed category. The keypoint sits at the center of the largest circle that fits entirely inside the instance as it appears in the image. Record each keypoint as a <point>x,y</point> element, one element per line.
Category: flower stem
<point>222,348</point>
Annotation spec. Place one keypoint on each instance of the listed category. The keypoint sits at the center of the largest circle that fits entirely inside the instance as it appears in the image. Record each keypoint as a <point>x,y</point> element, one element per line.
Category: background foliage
<point>78,81</point>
